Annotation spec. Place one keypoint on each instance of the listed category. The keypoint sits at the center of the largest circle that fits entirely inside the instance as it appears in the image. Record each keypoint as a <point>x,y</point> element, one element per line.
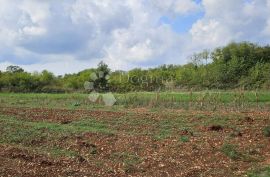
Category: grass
<point>129,160</point>
<point>14,130</point>
<point>184,139</point>
<point>22,128</point>
<point>43,137</point>
<point>263,172</point>
<point>163,134</point>
<point>205,100</point>
<point>231,151</point>
<point>58,152</point>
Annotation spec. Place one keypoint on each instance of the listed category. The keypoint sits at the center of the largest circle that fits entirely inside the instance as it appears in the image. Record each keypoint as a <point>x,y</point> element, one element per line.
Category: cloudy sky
<point>71,35</point>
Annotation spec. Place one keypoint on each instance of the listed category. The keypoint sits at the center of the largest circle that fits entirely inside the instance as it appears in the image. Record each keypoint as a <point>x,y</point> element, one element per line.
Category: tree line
<point>237,65</point>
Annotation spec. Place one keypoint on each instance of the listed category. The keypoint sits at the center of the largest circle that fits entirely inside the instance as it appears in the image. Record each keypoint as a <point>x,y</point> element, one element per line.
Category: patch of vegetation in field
<point>266,131</point>
<point>204,100</point>
<point>129,160</point>
<point>46,100</point>
<point>217,120</point>
<point>44,136</point>
<point>233,152</point>
<point>263,172</point>
<point>149,124</point>
<point>184,139</point>
<point>85,125</point>
<point>163,134</point>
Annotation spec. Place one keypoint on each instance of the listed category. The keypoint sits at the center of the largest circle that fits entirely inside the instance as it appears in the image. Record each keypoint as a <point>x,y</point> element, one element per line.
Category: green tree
<point>1,80</point>
<point>14,69</point>
<point>103,75</point>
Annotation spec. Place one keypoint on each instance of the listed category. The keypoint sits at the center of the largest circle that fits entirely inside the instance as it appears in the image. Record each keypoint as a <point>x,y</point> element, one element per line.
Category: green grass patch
<point>43,137</point>
<point>184,139</point>
<point>217,120</point>
<point>130,160</point>
<point>163,134</point>
<point>206,100</point>
<point>58,152</point>
<point>17,131</point>
<point>233,153</point>
<point>264,172</point>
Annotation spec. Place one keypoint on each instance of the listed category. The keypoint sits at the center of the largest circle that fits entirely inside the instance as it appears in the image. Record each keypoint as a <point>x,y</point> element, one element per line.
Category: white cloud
<point>209,33</point>
<point>186,6</point>
<point>58,66</point>
<point>33,30</point>
<point>37,10</point>
<point>266,30</point>
<point>176,7</point>
<point>125,33</point>
<point>231,20</point>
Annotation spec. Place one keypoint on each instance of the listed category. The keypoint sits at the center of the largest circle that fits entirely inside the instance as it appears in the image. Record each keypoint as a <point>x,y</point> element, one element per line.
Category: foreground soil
<point>135,142</point>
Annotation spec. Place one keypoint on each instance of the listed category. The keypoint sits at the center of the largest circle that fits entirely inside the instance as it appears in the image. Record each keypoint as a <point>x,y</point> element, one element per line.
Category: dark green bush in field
<point>266,131</point>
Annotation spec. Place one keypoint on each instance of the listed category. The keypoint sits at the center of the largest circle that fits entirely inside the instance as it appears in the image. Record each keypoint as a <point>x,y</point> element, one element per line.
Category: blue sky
<point>72,35</point>
<point>181,23</point>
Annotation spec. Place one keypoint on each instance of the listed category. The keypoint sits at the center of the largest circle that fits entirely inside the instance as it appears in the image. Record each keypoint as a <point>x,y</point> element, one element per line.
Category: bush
<point>52,89</point>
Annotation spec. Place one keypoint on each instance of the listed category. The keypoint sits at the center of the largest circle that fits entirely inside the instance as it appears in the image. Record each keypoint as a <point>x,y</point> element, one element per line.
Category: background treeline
<point>237,65</point>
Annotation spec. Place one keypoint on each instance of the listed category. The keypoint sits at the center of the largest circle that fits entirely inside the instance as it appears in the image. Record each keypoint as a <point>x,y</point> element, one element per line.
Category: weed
<point>76,104</point>
<point>230,151</point>
<point>163,134</point>
<point>266,131</point>
<point>184,139</point>
<point>264,172</point>
<point>59,152</point>
<point>130,160</point>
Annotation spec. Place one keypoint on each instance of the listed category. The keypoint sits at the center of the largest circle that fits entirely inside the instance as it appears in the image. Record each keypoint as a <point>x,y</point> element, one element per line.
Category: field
<point>188,134</point>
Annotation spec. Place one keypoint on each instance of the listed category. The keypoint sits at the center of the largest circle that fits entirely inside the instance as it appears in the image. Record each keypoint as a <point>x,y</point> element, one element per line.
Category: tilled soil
<point>127,154</point>
<point>56,115</point>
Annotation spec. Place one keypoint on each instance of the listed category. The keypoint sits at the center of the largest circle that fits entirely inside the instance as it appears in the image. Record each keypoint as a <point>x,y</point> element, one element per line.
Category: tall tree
<point>102,77</point>
<point>14,69</point>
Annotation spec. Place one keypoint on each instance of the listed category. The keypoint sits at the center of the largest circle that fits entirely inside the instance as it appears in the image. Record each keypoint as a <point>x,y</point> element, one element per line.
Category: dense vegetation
<point>237,65</point>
